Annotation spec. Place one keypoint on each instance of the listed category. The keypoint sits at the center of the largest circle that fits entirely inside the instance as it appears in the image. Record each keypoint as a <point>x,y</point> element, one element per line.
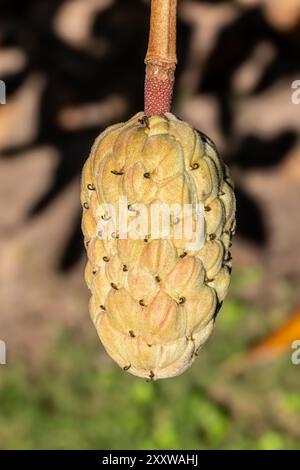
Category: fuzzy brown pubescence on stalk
<point>154,300</point>
<point>158,92</point>
<point>161,57</point>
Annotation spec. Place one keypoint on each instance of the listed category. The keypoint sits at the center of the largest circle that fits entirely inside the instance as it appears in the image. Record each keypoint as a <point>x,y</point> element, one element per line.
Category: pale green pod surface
<point>155,299</point>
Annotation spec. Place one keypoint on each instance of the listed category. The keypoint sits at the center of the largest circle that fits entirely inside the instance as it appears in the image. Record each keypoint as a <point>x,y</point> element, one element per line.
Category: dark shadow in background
<point>235,45</point>
<point>75,77</point>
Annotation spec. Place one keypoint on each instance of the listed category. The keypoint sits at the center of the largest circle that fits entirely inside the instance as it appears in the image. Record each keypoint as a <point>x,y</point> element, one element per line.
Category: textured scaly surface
<point>154,301</point>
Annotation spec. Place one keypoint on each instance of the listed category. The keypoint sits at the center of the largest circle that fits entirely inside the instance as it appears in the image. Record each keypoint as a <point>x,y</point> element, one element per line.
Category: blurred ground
<point>72,68</point>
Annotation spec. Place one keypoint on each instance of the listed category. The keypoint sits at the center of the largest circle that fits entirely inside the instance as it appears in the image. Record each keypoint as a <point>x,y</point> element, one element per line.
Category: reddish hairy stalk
<point>161,57</point>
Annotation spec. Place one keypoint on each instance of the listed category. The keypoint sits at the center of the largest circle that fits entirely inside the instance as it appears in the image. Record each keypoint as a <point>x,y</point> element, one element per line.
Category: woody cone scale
<point>154,301</point>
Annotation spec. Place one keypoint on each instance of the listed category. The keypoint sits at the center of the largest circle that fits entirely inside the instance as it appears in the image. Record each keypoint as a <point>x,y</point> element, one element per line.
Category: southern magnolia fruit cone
<point>154,302</point>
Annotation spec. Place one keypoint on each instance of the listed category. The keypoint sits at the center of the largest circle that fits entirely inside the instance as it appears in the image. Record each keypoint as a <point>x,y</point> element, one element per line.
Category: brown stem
<point>161,57</point>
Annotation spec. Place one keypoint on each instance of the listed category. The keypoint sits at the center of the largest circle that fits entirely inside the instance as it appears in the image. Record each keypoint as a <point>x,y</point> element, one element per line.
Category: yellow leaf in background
<point>279,340</point>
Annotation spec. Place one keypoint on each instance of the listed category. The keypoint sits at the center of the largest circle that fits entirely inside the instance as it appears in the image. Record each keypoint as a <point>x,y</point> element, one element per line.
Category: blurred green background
<point>72,68</point>
<point>78,399</point>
